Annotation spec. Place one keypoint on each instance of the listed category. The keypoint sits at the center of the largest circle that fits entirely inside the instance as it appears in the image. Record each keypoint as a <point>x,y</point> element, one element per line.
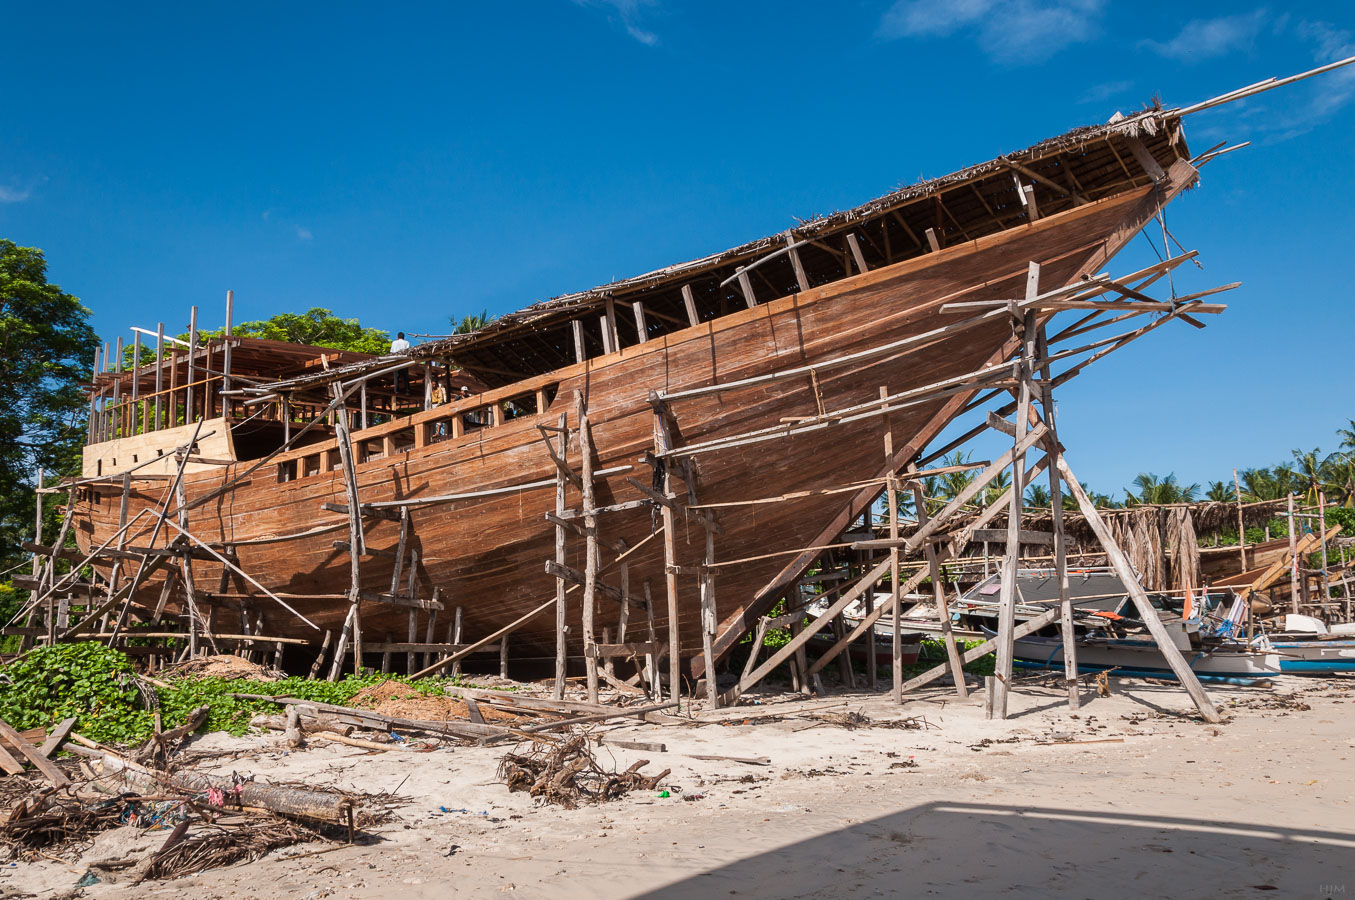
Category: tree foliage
<point>46,353</point>
<point>471,323</point>
<point>318,327</point>
<point>1154,489</point>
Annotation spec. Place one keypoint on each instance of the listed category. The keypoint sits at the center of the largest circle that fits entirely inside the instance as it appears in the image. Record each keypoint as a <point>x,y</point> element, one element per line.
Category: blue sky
<point>409,162</point>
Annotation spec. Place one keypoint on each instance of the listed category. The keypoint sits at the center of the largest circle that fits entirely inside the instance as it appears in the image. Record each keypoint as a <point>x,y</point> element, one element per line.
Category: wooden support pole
<point>580,353</point>
<point>27,640</point>
<point>1293,558</point>
<point>136,382</point>
<point>226,354</point>
<point>411,591</point>
<point>428,634</point>
<point>1053,451</point>
<point>689,303</point>
<point>942,605</point>
<point>746,288</point>
<point>793,252</point>
<point>592,557</point>
<point>352,626</point>
<point>651,658</point>
<point>661,445</point>
<point>857,256</point>
<point>561,624</point>
<point>709,617</point>
<point>192,364</point>
<point>641,326</point>
<point>457,625</point>
<point>1006,622</point>
<point>1120,563</point>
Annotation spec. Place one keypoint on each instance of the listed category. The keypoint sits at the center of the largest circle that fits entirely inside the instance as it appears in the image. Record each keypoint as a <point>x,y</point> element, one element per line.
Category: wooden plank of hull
<point>489,552</point>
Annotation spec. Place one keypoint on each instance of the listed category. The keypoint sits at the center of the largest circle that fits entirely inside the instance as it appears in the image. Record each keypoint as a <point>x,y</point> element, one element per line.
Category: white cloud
<point>1009,31</point>
<point>1202,39</point>
<point>14,195</point>
<point>627,13</point>
<point>303,233</point>
<point>1296,109</point>
<point>1101,92</point>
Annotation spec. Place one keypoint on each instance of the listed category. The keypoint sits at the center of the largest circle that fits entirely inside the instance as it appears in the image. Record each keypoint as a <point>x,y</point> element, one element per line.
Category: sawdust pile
<point>223,666</point>
<point>391,698</point>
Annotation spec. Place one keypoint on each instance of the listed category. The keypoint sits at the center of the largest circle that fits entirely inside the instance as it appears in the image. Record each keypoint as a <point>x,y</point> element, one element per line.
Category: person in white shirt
<point>400,345</point>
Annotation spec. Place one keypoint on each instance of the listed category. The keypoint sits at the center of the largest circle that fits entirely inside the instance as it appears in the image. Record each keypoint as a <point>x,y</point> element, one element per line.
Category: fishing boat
<point>1314,656</point>
<point>1139,657</point>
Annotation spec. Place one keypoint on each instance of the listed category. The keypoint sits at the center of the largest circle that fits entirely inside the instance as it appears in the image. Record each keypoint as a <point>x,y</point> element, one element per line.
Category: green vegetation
<point>99,687</point>
<point>317,326</point>
<point>471,323</point>
<point>46,351</point>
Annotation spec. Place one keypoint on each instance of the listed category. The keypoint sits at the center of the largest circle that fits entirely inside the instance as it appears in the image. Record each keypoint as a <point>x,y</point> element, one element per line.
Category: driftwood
<point>567,773</point>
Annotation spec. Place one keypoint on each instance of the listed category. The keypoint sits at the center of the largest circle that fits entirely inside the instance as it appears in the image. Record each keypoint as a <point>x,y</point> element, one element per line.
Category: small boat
<point>1309,646</point>
<point>1139,657</point>
<point>1313,655</point>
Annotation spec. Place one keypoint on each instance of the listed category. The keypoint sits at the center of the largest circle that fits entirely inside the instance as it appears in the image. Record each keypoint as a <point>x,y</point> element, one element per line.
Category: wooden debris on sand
<point>567,773</point>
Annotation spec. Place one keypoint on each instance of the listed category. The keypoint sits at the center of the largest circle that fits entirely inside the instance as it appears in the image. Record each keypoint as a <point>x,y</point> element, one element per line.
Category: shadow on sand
<point>971,849</point>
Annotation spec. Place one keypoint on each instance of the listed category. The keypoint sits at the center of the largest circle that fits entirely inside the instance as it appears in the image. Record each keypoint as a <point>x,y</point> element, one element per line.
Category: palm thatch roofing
<point>1083,165</point>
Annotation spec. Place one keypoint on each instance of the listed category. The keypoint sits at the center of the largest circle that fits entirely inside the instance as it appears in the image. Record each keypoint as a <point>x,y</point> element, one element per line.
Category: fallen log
<point>296,802</point>
<point>309,725</point>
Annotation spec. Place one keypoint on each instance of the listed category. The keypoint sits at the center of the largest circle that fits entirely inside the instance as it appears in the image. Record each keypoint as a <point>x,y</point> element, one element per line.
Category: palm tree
<point>951,484</point>
<point>1308,466</point>
<point>1156,491</point>
<point>1219,491</point>
<point>1347,436</point>
<point>996,486</point>
<point>471,323</point>
<point>1037,496</point>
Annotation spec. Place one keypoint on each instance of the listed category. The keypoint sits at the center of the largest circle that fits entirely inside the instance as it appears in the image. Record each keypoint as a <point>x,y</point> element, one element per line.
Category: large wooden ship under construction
<point>754,373</point>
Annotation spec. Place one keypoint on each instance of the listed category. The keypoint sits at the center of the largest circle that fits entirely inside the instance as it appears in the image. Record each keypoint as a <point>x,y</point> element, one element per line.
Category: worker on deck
<point>400,345</point>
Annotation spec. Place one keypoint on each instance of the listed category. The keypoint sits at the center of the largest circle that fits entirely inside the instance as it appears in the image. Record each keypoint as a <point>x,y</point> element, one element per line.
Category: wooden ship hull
<point>487,551</point>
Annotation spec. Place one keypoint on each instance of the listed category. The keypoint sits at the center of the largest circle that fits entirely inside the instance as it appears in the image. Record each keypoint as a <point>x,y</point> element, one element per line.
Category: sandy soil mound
<point>223,667</point>
<point>391,698</point>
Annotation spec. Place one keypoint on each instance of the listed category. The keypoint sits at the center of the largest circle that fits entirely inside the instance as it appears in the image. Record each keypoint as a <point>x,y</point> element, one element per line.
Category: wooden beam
<point>689,303</point>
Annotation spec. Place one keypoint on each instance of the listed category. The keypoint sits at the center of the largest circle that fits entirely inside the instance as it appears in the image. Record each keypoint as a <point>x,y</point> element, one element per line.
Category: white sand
<point>1177,809</point>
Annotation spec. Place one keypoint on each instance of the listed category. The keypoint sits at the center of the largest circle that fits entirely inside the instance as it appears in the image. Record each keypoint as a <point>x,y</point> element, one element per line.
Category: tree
<point>1347,436</point>
<point>1219,492</point>
<point>46,353</point>
<point>471,323</point>
<point>1309,473</point>
<point>1154,490</point>
<point>318,327</point>
<point>1037,496</point>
